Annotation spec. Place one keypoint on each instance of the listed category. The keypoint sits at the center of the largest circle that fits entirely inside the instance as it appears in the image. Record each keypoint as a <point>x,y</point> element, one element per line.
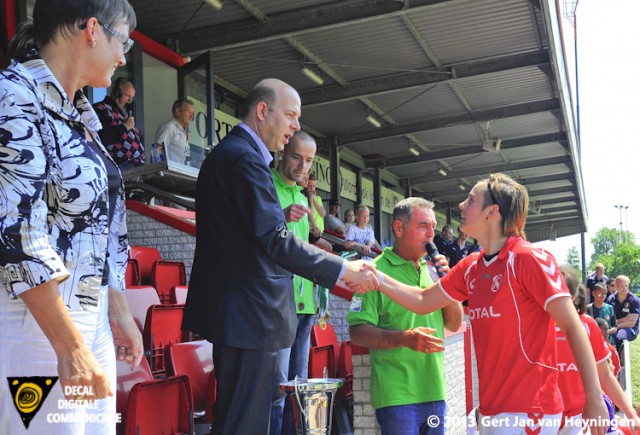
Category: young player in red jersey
<point>569,381</point>
<point>515,292</point>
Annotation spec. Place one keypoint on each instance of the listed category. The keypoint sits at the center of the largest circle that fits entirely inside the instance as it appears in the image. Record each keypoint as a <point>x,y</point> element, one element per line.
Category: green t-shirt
<point>400,376</point>
<point>319,220</point>
<point>302,288</point>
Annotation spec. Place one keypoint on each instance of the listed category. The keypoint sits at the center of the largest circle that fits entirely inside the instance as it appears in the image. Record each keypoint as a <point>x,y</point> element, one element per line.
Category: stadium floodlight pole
<point>620,208</point>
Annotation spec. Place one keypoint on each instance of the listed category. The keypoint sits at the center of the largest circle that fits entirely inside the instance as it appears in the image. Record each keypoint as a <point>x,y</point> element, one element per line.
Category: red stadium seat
<point>161,328</point>
<point>140,298</point>
<point>326,337</point>
<point>320,359</point>
<point>132,274</point>
<point>146,256</point>
<point>161,406</point>
<point>345,370</point>
<point>127,378</point>
<point>195,360</point>
<point>165,275</point>
<point>179,294</point>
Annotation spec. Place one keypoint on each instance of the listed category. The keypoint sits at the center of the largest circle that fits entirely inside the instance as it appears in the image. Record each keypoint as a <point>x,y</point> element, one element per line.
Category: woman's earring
<point>92,43</point>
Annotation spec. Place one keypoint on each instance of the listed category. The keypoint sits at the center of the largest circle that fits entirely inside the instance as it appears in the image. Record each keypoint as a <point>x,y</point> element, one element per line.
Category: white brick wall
<point>172,243</point>
<point>364,420</point>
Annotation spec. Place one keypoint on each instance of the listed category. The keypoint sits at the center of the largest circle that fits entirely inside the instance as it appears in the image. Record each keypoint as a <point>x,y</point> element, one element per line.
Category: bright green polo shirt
<point>401,376</point>
<point>302,288</point>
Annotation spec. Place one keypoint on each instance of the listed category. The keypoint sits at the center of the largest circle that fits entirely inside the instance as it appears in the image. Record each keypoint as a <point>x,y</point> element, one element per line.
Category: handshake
<point>361,276</point>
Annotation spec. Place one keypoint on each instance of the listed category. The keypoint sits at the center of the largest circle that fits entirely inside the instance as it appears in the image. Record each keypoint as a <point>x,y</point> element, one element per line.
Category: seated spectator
<point>361,234</point>
<point>627,308</point>
<point>331,221</point>
<point>599,309</point>
<point>611,289</point>
<point>349,218</point>
<point>444,239</point>
<point>615,358</point>
<point>457,250</point>
<point>596,277</point>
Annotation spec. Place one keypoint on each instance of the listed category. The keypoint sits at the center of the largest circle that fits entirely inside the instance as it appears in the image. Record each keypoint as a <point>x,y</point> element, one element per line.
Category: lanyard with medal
<point>300,292</point>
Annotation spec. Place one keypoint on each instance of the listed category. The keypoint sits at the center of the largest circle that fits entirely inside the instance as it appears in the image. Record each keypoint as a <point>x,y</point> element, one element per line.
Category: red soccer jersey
<point>514,337</point>
<point>569,381</point>
<point>615,358</point>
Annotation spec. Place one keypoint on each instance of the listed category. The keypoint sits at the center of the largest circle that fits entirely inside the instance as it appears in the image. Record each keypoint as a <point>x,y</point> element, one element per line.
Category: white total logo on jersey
<point>496,283</point>
<point>567,367</point>
<point>482,313</point>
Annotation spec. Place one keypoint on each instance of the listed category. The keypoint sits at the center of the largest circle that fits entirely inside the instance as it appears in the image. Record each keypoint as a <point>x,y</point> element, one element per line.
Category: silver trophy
<point>312,403</point>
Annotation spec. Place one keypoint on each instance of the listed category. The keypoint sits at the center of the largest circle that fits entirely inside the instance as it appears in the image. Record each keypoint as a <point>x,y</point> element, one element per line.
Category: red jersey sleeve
<point>539,274</point>
<point>455,284</point>
<point>600,349</point>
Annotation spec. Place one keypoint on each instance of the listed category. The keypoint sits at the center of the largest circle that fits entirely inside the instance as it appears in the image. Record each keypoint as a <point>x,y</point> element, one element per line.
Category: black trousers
<point>245,386</point>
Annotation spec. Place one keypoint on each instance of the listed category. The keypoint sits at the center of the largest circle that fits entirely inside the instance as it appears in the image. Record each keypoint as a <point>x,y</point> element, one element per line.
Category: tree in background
<point>573,259</point>
<point>618,252</point>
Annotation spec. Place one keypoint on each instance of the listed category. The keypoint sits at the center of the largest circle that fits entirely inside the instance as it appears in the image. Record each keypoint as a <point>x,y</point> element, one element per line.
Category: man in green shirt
<point>407,362</point>
<point>294,164</point>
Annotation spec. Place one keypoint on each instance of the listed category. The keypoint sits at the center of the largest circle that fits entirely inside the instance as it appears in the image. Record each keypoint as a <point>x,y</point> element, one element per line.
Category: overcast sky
<point>609,88</point>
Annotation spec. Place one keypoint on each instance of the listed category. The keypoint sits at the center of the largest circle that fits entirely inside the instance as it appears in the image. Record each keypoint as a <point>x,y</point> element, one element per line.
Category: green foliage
<point>603,243</point>
<point>573,259</point>
<point>618,252</point>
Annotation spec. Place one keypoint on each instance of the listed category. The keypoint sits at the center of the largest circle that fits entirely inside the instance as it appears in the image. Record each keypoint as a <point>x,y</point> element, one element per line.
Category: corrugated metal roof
<point>373,56</point>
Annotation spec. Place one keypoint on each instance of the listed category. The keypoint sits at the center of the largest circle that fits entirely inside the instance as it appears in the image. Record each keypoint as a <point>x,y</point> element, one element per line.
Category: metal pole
<point>620,207</point>
<point>626,224</point>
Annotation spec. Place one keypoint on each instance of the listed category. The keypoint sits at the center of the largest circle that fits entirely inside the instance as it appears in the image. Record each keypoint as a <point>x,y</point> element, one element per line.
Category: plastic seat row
<point>168,405</point>
<point>146,267</point>
<point>140,298</point>
<point>325,352</point>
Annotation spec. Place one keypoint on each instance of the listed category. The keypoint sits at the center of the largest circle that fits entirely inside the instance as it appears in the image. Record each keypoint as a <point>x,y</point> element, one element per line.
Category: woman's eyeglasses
<point>127,43</point>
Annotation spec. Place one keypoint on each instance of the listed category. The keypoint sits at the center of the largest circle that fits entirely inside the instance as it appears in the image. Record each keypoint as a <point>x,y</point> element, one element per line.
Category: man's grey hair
<point>403,210</point>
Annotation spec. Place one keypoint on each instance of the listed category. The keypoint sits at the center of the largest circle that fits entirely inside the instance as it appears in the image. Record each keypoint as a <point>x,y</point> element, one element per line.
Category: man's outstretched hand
<point>361,276</point>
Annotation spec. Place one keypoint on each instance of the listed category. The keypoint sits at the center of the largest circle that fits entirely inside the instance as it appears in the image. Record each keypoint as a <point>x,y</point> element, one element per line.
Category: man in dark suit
<point>241,292</point>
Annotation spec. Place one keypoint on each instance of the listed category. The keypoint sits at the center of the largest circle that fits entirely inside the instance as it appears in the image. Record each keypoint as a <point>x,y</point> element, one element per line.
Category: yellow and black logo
<point>29,393</point>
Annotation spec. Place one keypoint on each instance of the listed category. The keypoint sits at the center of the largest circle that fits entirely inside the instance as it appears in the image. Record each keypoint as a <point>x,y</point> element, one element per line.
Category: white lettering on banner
<point>349,189</point>
<point>223,123</point>
<point>482,313</point>
<point>367,192</point>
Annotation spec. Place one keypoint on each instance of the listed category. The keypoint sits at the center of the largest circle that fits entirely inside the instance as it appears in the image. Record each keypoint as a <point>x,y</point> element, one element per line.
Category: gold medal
<point>322,323</point>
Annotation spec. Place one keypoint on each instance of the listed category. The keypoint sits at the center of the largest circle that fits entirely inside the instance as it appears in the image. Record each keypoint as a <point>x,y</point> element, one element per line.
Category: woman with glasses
<point>63,242</point>
<point>515,292</point>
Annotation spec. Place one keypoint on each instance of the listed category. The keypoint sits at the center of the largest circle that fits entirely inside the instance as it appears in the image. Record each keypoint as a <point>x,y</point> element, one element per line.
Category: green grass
<point>634,346</point>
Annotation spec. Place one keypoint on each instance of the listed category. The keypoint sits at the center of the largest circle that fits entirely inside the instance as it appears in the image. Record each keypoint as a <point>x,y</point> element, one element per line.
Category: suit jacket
<point>240,292</point>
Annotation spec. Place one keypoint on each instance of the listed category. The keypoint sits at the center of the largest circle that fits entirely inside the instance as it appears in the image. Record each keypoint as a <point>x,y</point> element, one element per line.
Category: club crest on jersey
<point>497,282</point>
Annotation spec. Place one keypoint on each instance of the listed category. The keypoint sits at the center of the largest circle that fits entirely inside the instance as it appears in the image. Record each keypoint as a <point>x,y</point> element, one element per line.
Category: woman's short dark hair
<point>512,200</point>
<point>65,16</point>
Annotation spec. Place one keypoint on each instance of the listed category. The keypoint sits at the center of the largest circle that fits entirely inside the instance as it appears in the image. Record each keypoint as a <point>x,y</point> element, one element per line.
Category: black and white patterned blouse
<point>54,199</point>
